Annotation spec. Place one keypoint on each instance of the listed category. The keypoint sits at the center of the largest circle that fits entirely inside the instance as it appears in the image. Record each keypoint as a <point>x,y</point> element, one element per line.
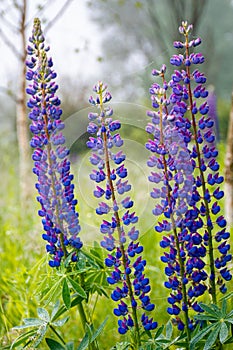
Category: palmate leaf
<point>159,332</point>
<point>78,289</point>
<point>212,309</point>
<point>43,314</point>
<point>30,322</point>
<point>40,335</point>
<point>169,330</point>
<point>23,338</point>
<point>84,343</point>
<point>212,337</point>
<point>224,308</point>
<point>121,346</point>
<point>230,314</point>
<point>53,292</point>
<point>63,309</point>
<point>98,277</point>
<point>70,346</point>
<point>201,335</point>
<point>94,260</point>
<point>204,317</point>
<point>99,330</point>
<point>229,320</point>
<point>55,309</point>
<point>61,322</point>
<point>224,331</point>
<point>90,337</point>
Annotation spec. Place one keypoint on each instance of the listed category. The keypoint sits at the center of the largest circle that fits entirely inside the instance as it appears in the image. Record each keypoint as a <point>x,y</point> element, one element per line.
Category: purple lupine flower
<point>120,234</point>
<point>50,155</point>
<point>205,153</point>
<point>174,177</point>
<point>192,215</point>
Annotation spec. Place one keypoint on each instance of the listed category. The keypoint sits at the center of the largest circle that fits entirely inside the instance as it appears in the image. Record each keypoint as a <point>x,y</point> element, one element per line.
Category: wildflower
<point>50,155</point>
<point>120,234</point>
<point>185,197</point>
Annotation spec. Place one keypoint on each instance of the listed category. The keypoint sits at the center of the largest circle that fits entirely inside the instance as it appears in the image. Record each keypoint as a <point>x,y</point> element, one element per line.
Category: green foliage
<point>40,327</point>
<point>216,326</point>
<point>27,283</point>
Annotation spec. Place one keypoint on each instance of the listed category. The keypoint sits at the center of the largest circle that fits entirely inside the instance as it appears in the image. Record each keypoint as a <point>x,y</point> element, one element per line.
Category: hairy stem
<point>181,262</point>
<point>207,214</point>
<point>57,334</point>
<point>118,223</point>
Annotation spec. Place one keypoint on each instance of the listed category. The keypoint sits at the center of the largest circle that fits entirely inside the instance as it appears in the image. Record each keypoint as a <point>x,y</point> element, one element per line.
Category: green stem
<point>82,316</point>
<point>53,175</point>
<point>207,214</point>
<point>181,262</point>
<point>84,321</point>
<point>57,334</point>
<point>118,223</point>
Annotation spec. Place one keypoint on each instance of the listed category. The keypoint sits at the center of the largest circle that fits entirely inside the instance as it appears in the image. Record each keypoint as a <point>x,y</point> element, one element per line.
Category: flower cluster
<point>51,164</point>
<point>120,234</point>
<point>184,155</point>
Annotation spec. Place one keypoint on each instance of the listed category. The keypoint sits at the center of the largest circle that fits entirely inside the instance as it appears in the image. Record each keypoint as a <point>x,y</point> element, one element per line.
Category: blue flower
<point>120,234</point>
<point>51,165</point>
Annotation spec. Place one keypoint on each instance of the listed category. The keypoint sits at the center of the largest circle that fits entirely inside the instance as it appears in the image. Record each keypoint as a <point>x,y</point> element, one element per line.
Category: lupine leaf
<point>99,330</point>
<point>66,294</point>
<point>41,333</point>
<point>230,314</point>
<point>70,346</point>
<point>121,346</point>
<point>212,337</point>
<point>30,322</point>
<point>54,345</point>
<point>224,308</point>
<point>22,338</point>
<point>212,310</point>
<point>93,259</point>
<point>223,334</point>
<point>78,289</point>
<point>53,291</point>
<point>63,309</point>
<point>229,341</point>
<point>205,317</point>
<point>200,335</point>
<point>55,309</point>
<point>60,323</point>
<point>159,332</point>
<point>168,330</point>
<point>43,314</point>
<point>226,297</point>
<point>84,343</point>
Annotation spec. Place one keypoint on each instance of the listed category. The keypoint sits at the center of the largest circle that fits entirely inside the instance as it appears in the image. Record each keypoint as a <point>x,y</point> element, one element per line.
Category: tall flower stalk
<point>50,155</point>
<point>174,177</point>
<point>51,164</point>
<point>204,154</point>
<point>122,243</point>
<point>185,158</point>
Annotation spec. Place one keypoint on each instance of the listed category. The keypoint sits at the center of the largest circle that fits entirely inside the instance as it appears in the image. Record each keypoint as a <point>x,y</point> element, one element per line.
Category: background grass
<point>24,269</point>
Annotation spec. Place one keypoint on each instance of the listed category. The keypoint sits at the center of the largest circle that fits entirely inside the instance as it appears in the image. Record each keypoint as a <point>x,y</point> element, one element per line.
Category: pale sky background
<point>73,30</point>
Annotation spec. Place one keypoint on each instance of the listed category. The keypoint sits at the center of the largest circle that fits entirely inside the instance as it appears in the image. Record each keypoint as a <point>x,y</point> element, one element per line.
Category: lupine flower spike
<point>50,156</point>
<point>186,203</point>
<point>120,234</point>
<point>173,179</point>
<point>204,153</point>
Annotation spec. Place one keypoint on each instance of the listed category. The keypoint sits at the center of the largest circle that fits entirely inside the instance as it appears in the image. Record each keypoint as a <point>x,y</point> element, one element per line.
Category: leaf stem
<point>57,334</point>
